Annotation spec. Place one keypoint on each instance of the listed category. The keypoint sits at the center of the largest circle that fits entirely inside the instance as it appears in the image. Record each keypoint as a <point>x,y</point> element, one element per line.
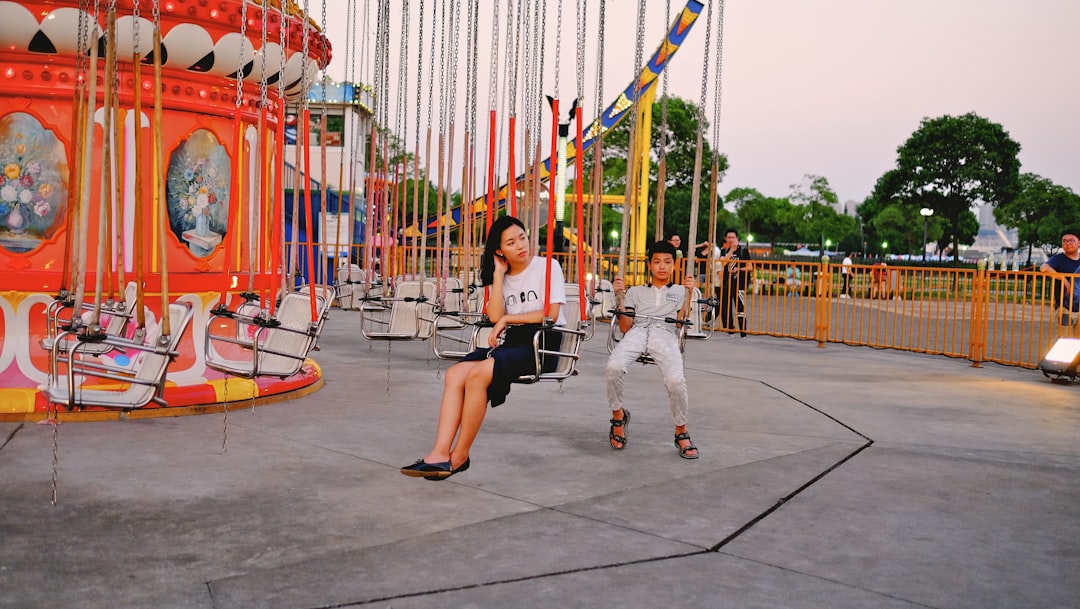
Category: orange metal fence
<point>1007,317</point>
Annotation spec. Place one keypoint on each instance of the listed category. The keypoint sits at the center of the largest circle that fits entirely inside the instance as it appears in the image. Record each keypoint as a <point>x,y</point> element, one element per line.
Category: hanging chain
<point>558,44</point>
<point>454,58</point>
<point>581,29</point>
<point>304,59</point>
<point>705,71</point>
<point>540,66</point>
<point>493,74</point>
<point>135,31</point>
<point>240,60</point>
<point>263,101</point>
<point>717,72</point>
<point>420,79</point>
<point>281,41</point>
<point>600,64</point>
<point>403,72</point>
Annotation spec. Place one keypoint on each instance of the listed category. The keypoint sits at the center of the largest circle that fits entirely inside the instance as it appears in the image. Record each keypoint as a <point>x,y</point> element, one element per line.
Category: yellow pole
<point>643,141</point>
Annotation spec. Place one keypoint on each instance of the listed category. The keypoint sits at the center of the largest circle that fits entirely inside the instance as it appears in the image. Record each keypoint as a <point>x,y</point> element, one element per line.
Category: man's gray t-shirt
<point>656,302</point>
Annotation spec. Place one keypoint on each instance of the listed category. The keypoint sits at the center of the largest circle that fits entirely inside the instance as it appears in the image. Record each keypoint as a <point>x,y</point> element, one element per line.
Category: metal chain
<point>403,71</point>
<point>705,70</point>
<point>540,67</point>
<point>454,45</point>
<point>512,78</point>
<point>718,70</point>
<point>420,78</point>
<point>240,60</point>
<point>600,63</point>
<point>475,69</point>
<point>527,104</point>
<point>304,59</point>
<point>558,44</point>
<point>582,27</point>
<point>135,30</point>
<point>493,73</point>
<point>281,41</point>
<point>264,38</point>
<point>431,77</point>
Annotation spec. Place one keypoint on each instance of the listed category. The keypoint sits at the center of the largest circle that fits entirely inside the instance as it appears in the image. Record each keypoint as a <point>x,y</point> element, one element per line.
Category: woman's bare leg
<point>450,411</point>
<point>473,410</point>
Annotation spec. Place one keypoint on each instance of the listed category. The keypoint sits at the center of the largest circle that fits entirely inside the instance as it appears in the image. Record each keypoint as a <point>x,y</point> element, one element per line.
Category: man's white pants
<point>663,347</point>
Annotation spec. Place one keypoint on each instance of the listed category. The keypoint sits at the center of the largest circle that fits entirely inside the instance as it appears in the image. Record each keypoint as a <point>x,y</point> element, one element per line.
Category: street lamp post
<point>926,213</point>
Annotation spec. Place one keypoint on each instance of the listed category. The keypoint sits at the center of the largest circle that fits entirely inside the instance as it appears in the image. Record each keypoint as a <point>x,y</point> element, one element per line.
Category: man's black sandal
<point>625,424</point>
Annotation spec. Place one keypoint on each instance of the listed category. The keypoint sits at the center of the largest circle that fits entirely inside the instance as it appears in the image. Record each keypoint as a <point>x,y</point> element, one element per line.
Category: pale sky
<point>823,87</point>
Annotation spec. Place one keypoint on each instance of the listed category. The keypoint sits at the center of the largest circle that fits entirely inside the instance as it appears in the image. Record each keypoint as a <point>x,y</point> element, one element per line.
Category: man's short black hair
<point>661,247</point>
<point>1075,232</point>
<point>731,230</point>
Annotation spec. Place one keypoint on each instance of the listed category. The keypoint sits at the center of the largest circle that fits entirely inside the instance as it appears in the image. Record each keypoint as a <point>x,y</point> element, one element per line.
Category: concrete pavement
<point>835,477</point>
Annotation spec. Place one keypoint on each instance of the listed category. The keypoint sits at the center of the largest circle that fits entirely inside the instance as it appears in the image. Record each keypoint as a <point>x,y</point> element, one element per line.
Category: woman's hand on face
<point>501,265</point>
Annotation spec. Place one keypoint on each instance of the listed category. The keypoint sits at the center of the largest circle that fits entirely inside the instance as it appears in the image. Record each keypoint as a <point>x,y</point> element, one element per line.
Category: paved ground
<point>836,477</point>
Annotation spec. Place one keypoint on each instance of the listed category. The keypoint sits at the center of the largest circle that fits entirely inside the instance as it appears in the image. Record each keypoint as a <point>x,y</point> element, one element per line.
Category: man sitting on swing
<point>647,332</point>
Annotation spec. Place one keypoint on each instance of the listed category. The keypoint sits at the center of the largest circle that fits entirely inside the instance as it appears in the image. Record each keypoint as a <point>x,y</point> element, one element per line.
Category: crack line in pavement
<point>11,435</point>
<point>713,549</point>
<point>511,580</point>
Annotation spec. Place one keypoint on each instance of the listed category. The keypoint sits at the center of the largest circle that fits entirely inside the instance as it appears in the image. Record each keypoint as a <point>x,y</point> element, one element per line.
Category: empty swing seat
<point>113,386</point>
<point>115,315</point>
<point>280,344</point>
<point>409,314</point>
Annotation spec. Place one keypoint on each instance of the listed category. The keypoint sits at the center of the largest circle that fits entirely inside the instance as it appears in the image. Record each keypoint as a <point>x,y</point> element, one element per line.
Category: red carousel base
<point>29,405</point>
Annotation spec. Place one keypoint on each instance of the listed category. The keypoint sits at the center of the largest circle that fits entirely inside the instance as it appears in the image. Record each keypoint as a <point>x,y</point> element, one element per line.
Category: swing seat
<point>456,333</point>
<point>566,352</point>
<point>351,292</point>
<point>699,329</point>
<point>409,314</point>
<point>603,300</point>
<point>616,334</point>
<point>279,346</point>
<point>115,386</point>
<point>115,317</point>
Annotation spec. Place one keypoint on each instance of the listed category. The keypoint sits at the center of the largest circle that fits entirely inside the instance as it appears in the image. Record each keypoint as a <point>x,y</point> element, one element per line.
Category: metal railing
<point>1008,317</point>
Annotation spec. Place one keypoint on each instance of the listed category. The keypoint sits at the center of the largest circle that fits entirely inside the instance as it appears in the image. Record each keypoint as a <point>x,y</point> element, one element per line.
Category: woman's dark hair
<point>494,241</point>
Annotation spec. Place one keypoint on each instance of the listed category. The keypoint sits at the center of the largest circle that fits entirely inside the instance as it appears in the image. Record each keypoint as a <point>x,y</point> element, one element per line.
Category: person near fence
<point>1067,261</point>
<point>660,299</point>
<point>734,271</point>
<point>846,268</point>
<point>516,305</point>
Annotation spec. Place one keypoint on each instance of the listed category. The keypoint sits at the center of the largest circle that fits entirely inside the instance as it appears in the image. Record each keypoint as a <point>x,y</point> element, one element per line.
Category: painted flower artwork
<point>198,192</point>
<point>33,182</point>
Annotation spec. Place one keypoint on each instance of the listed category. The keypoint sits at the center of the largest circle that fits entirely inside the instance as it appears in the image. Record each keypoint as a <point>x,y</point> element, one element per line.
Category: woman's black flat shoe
<point>431,471</point>
<point>464,466</point>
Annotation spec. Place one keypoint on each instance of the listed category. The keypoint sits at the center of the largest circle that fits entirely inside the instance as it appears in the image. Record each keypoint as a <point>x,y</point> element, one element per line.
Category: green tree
<point>1040,212</point>
<point>813,214</point>
<point>950,163</point>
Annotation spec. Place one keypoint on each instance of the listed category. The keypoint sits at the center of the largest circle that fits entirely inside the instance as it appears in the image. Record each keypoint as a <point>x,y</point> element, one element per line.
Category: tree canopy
<point>949,164</point>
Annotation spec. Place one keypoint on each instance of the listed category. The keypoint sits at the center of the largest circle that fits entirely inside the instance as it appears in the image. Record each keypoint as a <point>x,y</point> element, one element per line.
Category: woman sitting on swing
<point>517,279</point>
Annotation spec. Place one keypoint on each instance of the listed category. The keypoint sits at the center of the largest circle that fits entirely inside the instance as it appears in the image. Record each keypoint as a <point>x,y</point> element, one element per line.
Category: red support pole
<point>511,182</point>
<point>552,171</point>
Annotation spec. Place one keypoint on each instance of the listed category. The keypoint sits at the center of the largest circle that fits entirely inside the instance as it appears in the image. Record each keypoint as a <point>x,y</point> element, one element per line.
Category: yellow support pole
<point>644,164</point>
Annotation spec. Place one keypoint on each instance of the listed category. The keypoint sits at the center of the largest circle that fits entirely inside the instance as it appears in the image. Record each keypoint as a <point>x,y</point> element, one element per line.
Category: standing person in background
<point>845,273</point>
<point>676,240</point>
<point>734,270</point>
